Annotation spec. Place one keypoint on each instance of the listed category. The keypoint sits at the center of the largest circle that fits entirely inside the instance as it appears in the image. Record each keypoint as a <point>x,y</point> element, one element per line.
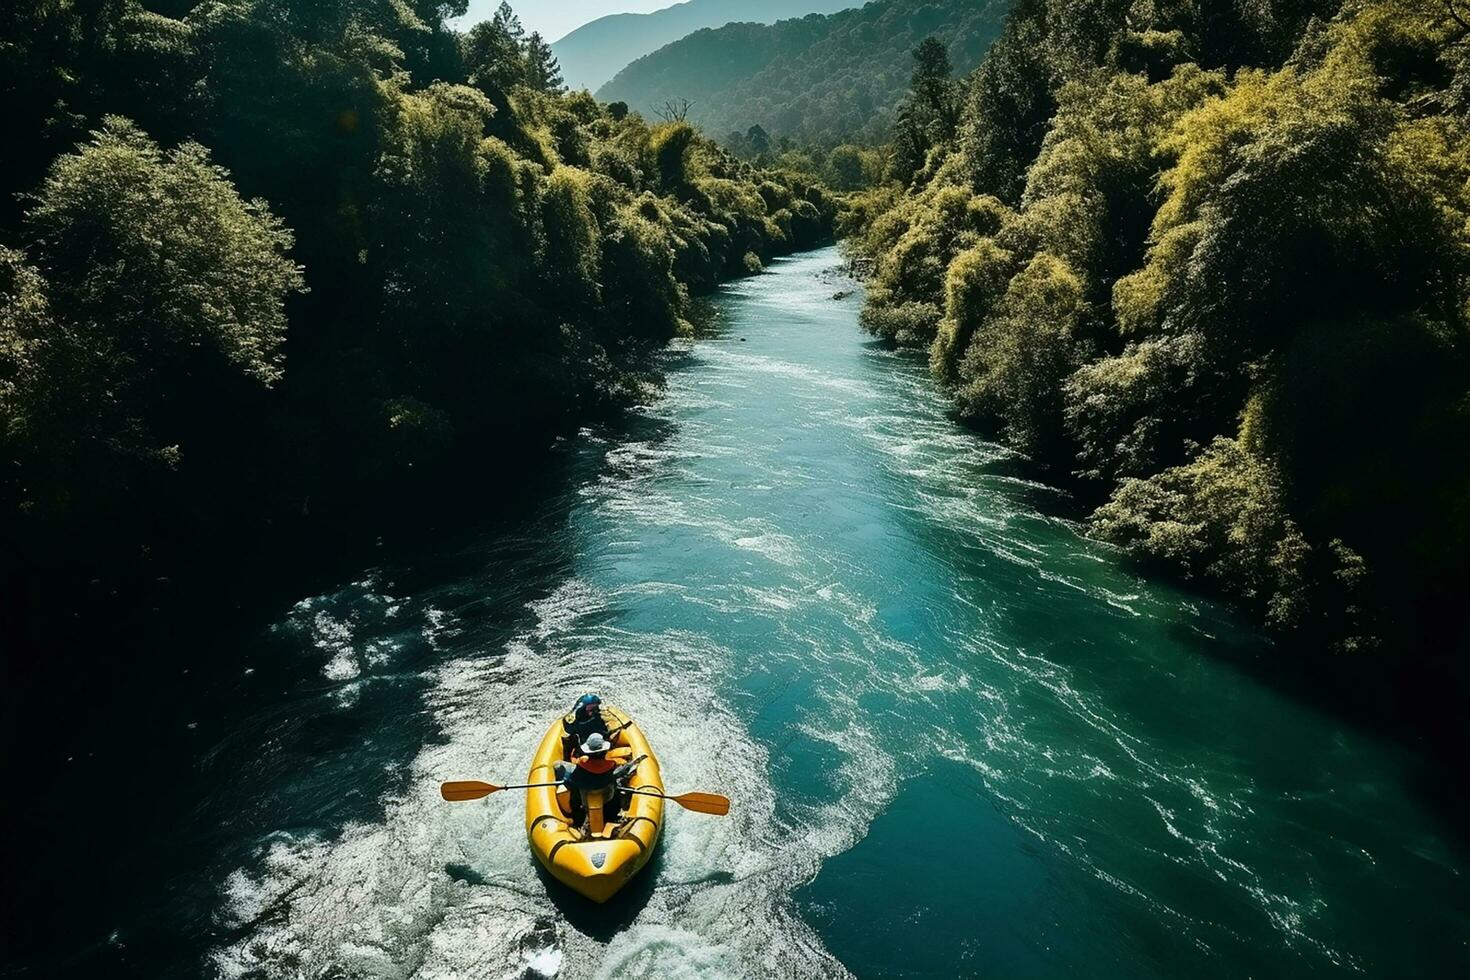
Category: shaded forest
<point>265,262</point>
<point>1209,262</point>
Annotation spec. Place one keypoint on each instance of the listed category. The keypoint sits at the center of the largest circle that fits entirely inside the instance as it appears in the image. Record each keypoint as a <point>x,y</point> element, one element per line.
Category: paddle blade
<point>703,803</point>
<point>460,792</point>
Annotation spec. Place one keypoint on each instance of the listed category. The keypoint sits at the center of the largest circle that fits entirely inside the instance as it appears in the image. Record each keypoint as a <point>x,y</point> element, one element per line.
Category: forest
<point>820,81</point>
<point>1207,263</point>
<point>266,262</point>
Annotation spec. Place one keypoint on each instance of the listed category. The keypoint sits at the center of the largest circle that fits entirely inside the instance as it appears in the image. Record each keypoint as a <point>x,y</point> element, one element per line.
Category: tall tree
<point>492,57</point>
<point>167,292</point>
<point>506,22</point>
<point>758,140</point>
<point>543,73</point>
<point>933,92</point>
<point>910,145</point>
<point>930,114</point>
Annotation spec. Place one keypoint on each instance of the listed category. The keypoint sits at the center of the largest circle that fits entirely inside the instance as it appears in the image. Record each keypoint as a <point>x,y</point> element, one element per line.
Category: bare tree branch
<point>674,110</point>
<point>1454,13</point>
<point>1453,10</point>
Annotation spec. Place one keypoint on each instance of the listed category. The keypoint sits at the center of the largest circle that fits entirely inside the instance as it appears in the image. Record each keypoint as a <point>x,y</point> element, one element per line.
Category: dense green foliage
<point>595,52</point>
<point>845,167</point>
<point>817,80</point>
<point>1212,260</point>
<point>262,257</point>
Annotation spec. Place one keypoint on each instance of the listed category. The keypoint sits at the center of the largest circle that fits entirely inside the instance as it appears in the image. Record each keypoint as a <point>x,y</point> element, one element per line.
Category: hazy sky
<point>557,18</point>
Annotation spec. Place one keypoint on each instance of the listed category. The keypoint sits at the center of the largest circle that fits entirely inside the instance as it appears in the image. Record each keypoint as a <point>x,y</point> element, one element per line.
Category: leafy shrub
<point>1137,412</point>
<point>1015,365</point>
<point>1220,517</point>
<point>974,285</point>
<point>159,252</point>
<point>670,144</point>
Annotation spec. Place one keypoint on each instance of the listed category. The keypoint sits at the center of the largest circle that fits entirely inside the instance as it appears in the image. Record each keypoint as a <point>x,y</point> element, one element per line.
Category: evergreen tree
<point>507,23</point>
<point>933,93</point>
<point>492,56</point>
<point>930,114</point>
<point>758,140</point>
<point>910,145</point>
<point>543,73</point>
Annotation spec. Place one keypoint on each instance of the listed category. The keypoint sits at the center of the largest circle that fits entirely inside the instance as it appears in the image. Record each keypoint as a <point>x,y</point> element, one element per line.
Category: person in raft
<point>596,765</point>
<point>585,719</point>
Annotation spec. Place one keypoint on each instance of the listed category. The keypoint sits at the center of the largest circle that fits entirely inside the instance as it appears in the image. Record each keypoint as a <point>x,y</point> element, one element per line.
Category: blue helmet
<point>588,702</point>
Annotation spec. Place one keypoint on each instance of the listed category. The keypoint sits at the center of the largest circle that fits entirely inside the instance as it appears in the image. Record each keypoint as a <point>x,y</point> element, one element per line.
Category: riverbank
<point>1257,406</point>
<point>1417,693</point>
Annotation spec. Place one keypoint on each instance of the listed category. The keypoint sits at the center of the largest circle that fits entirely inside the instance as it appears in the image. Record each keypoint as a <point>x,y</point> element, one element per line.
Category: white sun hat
<point>596,743</point>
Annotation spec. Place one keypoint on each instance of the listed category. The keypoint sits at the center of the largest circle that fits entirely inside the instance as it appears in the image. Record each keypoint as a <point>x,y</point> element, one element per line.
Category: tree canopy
<point>260,253</point>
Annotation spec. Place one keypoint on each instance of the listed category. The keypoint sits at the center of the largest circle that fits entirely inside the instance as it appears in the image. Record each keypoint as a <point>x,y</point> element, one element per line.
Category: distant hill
<point>596,52</point>
<point>820,78</point>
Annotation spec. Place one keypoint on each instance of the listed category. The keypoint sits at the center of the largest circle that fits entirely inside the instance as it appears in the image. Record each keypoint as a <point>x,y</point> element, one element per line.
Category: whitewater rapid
<point>435,891</point>
<point>451,891</point>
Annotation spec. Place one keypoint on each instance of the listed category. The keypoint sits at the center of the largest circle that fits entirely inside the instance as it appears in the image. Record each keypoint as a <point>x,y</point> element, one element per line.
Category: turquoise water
<point>959,738</point>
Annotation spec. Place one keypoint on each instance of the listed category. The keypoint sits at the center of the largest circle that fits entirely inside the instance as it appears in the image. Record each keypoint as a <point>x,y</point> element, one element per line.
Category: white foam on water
<point>544,962</point>
<point>438,890</point>
<point>726,358</point>
<point>336,623</point>
<point>343,666</point>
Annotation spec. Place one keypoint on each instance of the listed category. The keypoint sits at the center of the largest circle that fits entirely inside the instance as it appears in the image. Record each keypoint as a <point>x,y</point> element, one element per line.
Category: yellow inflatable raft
<point>601,856</point>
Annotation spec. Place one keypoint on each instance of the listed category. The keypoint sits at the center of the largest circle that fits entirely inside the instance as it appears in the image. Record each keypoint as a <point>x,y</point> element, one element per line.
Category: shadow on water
<point>1435,760</point>
<point>603,922</point>
<point>466,875</point>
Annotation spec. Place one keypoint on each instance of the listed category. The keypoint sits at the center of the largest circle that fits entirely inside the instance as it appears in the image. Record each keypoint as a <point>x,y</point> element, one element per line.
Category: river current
<point>959,737</point>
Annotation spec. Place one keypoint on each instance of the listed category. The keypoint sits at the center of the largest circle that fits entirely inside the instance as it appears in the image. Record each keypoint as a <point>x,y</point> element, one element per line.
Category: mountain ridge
<point>821,78</point>
<point>592,54</point>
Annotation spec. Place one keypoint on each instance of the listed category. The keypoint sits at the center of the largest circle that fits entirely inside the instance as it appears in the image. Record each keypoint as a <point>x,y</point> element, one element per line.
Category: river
<point>960,738</point>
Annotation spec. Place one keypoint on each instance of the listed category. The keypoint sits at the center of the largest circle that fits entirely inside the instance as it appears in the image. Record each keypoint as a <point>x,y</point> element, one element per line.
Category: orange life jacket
<point>595,764</point>
<point>602,764</point>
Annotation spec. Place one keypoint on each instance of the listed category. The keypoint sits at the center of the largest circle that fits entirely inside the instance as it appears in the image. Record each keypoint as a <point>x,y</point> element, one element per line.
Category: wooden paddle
<point>471,790</point>
<point>459,792</point>
<point>698,802</point>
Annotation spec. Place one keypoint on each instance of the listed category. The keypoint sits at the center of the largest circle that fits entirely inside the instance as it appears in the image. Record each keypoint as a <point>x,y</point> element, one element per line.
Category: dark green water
<point>960,739</point>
